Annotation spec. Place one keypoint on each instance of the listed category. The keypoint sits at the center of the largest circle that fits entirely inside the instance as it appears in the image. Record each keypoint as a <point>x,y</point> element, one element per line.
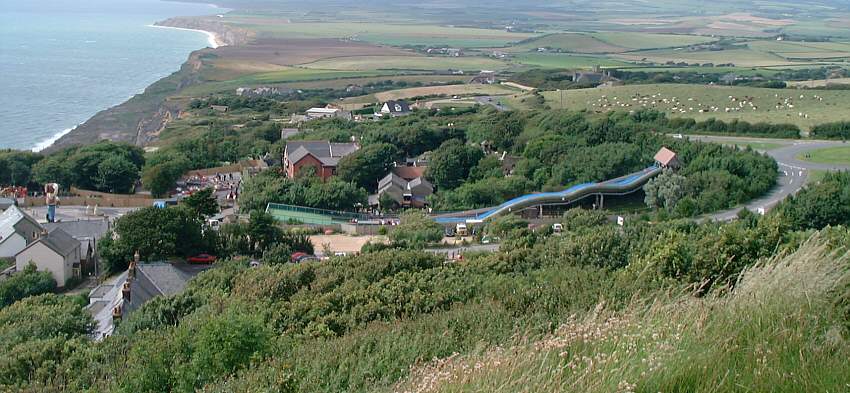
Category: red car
<point>201,258</point>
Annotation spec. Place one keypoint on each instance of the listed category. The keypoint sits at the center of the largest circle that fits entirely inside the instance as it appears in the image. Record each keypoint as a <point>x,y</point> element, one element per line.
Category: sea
<point>62,61</point>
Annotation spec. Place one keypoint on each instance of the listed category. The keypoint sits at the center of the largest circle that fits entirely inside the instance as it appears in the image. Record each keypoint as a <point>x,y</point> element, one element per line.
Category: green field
<point>559,60</point>
<point>568,42</point>
<point>739,57</point>
<point>688,100</point>
<point>423,63</point>
<point>640,41</point>
<point>830,155</point>
<point>383,33</point>
<point>293,74</point>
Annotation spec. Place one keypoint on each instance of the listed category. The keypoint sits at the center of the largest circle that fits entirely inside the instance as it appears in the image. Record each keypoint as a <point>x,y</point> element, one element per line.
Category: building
<point>322,156</point>
<point>395,108</point>
<point>5,203</point>
<point>88,233</point>
<point>667,158</point>
<point>56,252</point>
<point>403,193</point>
<point>135,287</point>
<point>321,113</point>
<point>409,173</point>
<point>17,231</point>
<point>595,77</point>
<point>484,78</point>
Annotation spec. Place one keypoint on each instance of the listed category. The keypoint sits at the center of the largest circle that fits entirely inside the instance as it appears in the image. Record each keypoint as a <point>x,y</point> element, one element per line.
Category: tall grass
<point>781,330</point>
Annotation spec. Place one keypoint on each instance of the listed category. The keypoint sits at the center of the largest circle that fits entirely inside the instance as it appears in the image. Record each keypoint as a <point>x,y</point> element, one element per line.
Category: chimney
<point>116,314</point>
<point>136,257</point>
<point>125,292</point>
<point>131,270</point>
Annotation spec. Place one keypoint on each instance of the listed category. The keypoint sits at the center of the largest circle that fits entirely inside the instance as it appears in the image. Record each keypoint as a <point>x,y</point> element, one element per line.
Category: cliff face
<point>142,115</point>
<point>140,119</point>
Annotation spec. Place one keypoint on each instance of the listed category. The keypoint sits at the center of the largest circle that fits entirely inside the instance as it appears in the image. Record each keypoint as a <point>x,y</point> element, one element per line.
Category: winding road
<point>793,173</point>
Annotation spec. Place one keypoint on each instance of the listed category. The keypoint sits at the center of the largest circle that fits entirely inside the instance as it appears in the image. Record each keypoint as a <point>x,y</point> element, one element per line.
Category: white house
<point>56,252</point>
<point>17,230</point>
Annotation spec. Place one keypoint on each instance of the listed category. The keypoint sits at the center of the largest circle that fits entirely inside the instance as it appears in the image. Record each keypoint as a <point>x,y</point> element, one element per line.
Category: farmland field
<point>562,60</point>
<point>739,57</point>
<point>288,74</point>
<point>568,42</point>
<point>447,90</point>
<point>805,109</point>
<point>634,40</point>
<point>380,33</point>
<point>411,62</point>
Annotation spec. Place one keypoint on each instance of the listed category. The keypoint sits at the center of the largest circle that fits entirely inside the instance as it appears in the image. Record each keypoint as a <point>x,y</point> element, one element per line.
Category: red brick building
<point>322,156</point>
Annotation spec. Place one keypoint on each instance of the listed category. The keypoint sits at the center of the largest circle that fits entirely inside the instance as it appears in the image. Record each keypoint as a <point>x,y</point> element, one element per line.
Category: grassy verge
<point>829,155</point>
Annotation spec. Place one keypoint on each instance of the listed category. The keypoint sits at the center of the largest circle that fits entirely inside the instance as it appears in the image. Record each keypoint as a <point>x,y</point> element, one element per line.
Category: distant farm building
<point>667,158</point>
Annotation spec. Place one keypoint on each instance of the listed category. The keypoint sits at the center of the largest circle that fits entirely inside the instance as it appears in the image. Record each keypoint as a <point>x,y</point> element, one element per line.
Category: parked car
<point>449,232</point>
<point>201,258</point>
<point>299,256</point>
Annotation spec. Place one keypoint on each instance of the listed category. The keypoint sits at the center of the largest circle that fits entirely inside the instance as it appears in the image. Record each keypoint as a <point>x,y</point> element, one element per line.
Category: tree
<point>450,164</point>
<point>263,232</point>
<point>203,203</point>
<point>157,234</point>
<point>116,175</point>
<point>24,284</point>
<point>368,165</point>
<point>665,190</point>
<point>416,230</point>
<point>161,177</point>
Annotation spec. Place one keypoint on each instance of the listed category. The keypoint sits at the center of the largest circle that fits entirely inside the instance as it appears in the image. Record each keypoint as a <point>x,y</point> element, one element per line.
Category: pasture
<point>803,108</point>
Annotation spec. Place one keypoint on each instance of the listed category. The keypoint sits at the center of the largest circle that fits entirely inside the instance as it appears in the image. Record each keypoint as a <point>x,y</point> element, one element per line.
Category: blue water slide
<point>618,186</point>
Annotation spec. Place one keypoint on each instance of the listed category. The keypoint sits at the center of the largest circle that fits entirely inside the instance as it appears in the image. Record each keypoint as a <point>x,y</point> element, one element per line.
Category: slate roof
<point>327,153</point>
<point>5,203</point>
<point>398,106</point>
<point>158,279</point>
<point>81,229</point>
<point>10,218</point>
<point>57,240</point>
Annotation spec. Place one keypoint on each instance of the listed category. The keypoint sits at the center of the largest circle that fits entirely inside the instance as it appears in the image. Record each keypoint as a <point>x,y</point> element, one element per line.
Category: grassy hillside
<point>779,331</point>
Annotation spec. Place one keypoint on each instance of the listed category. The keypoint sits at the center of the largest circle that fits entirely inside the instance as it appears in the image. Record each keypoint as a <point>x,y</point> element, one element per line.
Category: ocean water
<point>62,61</point>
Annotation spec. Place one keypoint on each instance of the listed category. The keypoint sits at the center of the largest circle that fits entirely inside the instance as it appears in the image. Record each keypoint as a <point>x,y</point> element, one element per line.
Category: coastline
<point>44,144</point>
<point>212,38</point>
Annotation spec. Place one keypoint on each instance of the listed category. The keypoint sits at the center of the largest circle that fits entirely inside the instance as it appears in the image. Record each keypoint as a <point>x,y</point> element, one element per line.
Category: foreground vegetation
<point>665,306</point>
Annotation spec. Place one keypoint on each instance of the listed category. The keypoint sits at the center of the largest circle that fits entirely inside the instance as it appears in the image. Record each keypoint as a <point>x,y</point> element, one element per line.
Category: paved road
<point>793,173</point>
<point>492,101</point>
<point>73,213</point>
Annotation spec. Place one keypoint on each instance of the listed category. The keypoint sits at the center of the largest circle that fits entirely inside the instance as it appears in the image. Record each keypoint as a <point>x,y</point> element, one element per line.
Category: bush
<point>416,230</point>
<point>24,284</point>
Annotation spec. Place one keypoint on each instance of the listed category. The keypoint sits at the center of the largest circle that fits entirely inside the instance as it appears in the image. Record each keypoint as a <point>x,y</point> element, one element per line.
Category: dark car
<point>449,232</point>
<point>201,258</point>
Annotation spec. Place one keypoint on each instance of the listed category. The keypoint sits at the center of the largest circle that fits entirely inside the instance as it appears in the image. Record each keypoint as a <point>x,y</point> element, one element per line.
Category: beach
<point>212,38</point>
